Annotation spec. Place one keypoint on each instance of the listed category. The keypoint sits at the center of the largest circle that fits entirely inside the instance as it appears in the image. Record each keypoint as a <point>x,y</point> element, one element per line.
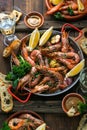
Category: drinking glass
<point>7,27</point>
<point>83,82</point>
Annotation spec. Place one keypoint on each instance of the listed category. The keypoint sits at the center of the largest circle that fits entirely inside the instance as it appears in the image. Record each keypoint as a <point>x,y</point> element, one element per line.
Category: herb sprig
<point>18,72</point>
<point>82,107</point>
<point>5,126</point>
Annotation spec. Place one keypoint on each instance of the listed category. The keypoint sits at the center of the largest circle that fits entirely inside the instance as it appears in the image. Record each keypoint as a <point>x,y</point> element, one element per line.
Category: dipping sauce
<point>34,20</point>
<point>72,102</point>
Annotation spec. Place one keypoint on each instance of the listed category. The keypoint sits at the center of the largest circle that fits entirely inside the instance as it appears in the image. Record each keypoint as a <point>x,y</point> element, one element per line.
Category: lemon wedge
<point>46,35</point>
<point>76,69</point>
<point>56,2</point>
<point>80,5</point>
<point>42,127</point>
<point>34,39</point>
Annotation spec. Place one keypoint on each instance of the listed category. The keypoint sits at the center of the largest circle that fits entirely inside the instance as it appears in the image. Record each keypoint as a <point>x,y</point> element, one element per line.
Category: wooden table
<point>50,107</point>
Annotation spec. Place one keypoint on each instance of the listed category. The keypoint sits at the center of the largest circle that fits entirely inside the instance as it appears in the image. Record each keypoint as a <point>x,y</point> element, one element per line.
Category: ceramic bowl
<point>34,19</point>
<point>16,114</point>
<point>19,113</point>
<point>67,17</point>
<point>70,99</point>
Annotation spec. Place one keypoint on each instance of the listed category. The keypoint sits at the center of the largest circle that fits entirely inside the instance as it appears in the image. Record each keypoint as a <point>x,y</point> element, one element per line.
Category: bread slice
<point>83,123</point>
<point>6,99</point>
<point>17,14</point>
<point>13,46</point>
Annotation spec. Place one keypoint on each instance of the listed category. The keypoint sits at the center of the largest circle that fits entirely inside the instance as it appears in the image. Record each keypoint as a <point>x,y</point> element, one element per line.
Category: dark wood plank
<point>6,5</point>
<point>55,121</point>
<point>62,122</point>
<point>57,25</point>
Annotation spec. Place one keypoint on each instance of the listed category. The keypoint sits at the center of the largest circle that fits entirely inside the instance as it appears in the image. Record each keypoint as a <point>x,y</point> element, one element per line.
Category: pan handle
<point>17,98</point>
<point>74,27</point>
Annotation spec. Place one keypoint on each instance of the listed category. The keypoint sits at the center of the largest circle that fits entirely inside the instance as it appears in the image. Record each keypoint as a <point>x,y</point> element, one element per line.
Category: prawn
<point>23,81</point>
<point>35,82</point>
<point>70,4</point>
<point>65,42</point>
<point>45,79</point>
<point>39,88</point>
<point>37,122</point>
<point>66,62</point>
<point>25,54</point>
<point>57,75</point>
<point>37,54</point>
<point>55,8</point>
<point>73,57</point>
<point>16,123</point>
<point>60,68</point>
<point>51,48</point>
<point>15,59</point>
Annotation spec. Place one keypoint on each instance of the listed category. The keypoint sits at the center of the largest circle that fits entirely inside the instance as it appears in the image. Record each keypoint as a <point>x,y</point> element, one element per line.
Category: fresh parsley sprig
<point>5,126</point>
<point>18,72</point>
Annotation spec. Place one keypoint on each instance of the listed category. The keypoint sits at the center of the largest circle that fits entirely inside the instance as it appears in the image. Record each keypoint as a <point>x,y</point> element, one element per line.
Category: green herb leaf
<point>15,83</point>
<point>70,11</point>
<point>18,72</point>
<point>5,126</point>
<point>58,15</point>
<point>82,107</point>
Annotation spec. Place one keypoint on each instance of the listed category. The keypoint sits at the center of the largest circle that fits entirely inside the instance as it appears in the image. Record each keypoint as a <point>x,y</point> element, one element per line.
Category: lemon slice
<point>46,35</point>
<point>80,5</point>
<point>56,2</point>
<point>34,39</point>
<point>42,127</point>
<point>76,69</point>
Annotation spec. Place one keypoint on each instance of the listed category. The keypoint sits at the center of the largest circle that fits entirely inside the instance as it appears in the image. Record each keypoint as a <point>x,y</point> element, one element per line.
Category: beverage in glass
<point>7,27</point>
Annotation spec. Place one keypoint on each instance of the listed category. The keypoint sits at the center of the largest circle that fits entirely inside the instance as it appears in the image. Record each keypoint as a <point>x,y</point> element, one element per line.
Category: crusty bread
<point>6,98</point>
<point>83,123</point>
<point>13,46</point>
<point>17,14</point>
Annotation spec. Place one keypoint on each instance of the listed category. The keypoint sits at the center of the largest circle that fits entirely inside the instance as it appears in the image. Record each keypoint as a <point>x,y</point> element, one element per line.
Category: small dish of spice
<point>70,104</point>
<point>34,19</point>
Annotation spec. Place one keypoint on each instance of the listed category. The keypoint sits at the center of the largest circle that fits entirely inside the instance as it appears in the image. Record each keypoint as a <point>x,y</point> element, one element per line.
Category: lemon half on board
<point>56,2</point>
<point>76,69</point>
<point>34,39</point>
<point>45,36</point>
<point>41,127</point>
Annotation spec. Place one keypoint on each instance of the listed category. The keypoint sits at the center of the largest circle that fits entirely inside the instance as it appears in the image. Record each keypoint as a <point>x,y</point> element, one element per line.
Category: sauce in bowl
<point>34,19</point>
<point>70,104</point>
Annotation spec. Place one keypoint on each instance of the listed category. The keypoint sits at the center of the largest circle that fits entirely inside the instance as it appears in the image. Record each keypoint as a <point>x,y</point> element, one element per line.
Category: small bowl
<point>19,113</point>
<point>71,99</point>
<point>33,20</point>
<point>16,114</point>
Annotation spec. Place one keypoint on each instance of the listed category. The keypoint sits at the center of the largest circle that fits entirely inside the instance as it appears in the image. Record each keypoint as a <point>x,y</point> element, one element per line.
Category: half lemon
<point>56,2</point>
<point>34,39</point>
<point>45,37</point>
<point>80,5</point>
<point>76,69</point>
<point>42,127</point>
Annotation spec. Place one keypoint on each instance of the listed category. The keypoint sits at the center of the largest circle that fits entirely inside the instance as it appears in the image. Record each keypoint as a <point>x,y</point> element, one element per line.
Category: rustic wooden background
<point>48,107</point>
